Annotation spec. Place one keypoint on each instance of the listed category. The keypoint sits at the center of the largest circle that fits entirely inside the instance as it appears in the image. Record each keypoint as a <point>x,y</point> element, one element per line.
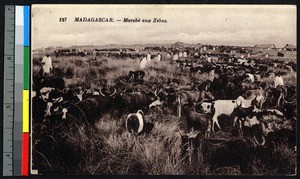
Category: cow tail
<point>126,122</point>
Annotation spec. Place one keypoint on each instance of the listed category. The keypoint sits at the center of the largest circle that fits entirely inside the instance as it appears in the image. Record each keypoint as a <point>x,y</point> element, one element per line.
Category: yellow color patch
<point>25,110</point>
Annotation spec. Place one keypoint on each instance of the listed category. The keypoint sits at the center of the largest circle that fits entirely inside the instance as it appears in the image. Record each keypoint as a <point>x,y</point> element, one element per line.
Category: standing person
<point>149,57</point>
<point>175,57</point>
<point>94,54</point>
<point>47,65</point>
<point>143,63</point>
<point>158,57</point>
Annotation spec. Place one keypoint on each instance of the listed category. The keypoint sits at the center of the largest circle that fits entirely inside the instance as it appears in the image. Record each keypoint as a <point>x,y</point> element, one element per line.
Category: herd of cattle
<point>233,99</point>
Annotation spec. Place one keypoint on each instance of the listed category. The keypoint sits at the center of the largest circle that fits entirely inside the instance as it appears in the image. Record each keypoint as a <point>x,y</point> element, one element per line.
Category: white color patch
<point>19,12</point>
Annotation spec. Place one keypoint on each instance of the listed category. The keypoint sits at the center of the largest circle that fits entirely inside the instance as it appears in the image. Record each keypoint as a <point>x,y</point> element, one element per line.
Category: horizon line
<point>169,43</point>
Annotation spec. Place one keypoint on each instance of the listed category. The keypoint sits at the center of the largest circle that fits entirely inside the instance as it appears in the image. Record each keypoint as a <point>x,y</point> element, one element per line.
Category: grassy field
<point>107,148</point>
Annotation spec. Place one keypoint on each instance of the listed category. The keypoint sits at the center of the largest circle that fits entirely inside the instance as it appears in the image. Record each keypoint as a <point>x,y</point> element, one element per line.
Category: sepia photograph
<point>163,90</point>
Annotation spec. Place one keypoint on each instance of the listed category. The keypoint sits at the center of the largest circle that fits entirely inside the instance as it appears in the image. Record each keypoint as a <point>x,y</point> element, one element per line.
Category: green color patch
<point>26,68</point>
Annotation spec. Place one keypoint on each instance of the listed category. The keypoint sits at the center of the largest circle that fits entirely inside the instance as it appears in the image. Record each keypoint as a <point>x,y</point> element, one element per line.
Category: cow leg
<point>240,128</point>
<point>235,121</point>
<point>279,99</point>
<point>215,120</point>
<point>208,130</point>
<point>179,106</point>
<point>213,126</point>
<point>179,111</point>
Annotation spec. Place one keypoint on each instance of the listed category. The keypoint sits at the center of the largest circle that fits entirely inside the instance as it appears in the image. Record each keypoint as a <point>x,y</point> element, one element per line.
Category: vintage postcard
<point>163,90</point>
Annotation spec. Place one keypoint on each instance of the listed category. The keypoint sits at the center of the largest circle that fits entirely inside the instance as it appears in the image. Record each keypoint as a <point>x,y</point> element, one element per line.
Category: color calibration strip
<point>16,91</point>
<point>26,75</point>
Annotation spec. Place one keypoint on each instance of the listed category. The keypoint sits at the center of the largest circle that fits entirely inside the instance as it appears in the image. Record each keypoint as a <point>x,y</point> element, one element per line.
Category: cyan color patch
<point>26,25</point>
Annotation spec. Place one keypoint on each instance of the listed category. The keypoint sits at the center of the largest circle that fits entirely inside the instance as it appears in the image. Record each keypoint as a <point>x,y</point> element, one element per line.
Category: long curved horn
<point>113,92</point>
<point>263,127</point>
<point>191,132</point>
<point>263,142</point>
<point>60,91</point>
<point>288,102</point>
<point>101,92</point>
<point>43,99</point>
<point>180,133</point>
<point>140,111</point>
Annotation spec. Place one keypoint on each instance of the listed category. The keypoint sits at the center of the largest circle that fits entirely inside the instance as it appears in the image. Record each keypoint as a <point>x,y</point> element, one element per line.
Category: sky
<point>206,24</point>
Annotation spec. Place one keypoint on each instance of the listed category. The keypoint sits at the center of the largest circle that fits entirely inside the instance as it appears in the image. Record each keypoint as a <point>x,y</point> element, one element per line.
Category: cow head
<point>79,93</point>
<point>153,98</point>
<point>167,94</point>
<point>45,93</point>
<point>206,95</point>
<point>130,76</point>
<point>261,131</point>
<point>206,107</point>
<point>55,98</point>
<point>155,103</point>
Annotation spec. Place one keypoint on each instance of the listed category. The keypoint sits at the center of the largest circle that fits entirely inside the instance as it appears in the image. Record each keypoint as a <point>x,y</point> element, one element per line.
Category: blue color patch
<point>26,25</point>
